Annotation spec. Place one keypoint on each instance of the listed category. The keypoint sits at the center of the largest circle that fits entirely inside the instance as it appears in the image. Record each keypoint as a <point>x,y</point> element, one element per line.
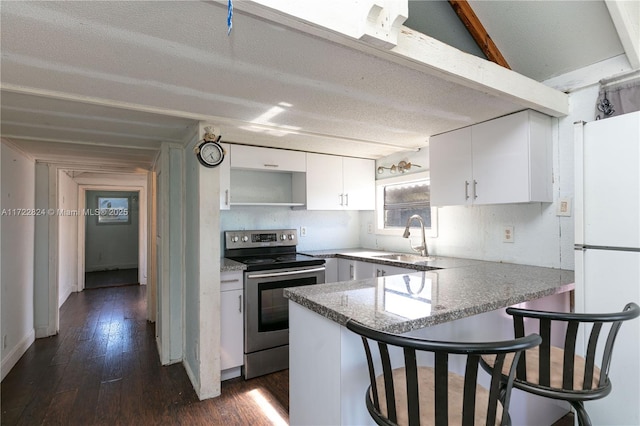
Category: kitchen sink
<point>401,257</point>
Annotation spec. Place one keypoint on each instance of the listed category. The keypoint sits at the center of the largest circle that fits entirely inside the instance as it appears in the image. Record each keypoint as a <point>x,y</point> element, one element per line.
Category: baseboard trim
<point>65,293</point>
<point>12,358</point>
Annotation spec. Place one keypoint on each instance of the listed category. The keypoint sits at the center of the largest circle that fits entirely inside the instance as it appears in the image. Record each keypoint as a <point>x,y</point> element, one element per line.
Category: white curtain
<point>617,99</point>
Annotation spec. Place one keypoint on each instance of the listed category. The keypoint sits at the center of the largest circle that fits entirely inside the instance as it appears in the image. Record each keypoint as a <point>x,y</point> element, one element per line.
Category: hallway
<point>103,368</point>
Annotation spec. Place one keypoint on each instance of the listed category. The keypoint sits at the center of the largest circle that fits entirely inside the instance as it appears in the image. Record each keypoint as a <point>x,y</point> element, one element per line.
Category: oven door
<point>267,310</point>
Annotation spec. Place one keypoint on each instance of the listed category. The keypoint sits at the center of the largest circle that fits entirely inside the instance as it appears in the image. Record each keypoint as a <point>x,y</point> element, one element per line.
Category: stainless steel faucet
<point>423,248</point>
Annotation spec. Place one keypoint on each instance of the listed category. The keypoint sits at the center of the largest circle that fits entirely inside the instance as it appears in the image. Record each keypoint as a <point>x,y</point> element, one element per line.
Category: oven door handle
<point>282,274</point>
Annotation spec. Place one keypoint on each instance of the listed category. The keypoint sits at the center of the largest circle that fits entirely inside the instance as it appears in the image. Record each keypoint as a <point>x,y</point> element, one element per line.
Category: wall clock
<point>210,153</point>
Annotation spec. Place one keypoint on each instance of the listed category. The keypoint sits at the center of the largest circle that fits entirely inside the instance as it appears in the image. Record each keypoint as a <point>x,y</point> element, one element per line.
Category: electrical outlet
<point>564,207</point>
<point>303,231</point>
<point>507,234</point>
<point>370,228</point>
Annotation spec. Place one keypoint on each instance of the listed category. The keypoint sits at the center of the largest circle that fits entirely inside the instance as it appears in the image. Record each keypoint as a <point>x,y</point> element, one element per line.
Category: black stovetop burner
<point>267,249</point>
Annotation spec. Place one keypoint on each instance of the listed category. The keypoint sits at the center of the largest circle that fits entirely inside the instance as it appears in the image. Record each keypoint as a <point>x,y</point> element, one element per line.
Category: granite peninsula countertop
<point>406,302</point>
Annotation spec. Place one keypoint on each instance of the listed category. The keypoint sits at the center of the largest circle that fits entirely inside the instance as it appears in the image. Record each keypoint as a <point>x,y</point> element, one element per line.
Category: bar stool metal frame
<point>535,371</point>
<point>386,412</point>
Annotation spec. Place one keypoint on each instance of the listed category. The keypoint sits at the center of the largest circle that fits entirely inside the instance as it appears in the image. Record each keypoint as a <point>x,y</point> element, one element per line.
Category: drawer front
<point>231,280</point>
<point>253,157</point>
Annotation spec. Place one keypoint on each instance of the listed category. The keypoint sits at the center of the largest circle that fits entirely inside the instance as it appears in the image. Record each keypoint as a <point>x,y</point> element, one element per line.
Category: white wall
<point>111,246</point>
<point>17,275</point>
<point>68,237</point>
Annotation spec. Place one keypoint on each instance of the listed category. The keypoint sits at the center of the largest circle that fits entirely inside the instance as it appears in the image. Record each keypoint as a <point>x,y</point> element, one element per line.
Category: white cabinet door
<point>225,178</point>
<point>340,183</point>
<point>259,158</point>
<point>506,160</point>
<point>324,182</point>
<point>450,168</point>
<point>385,270</point>
<point>365,270</point>
<point>359,183</point>
<point>349,270</point>
<point>501,160</point>
<point>346,270</point>
<point>331,270</point>
<point>231,320</point>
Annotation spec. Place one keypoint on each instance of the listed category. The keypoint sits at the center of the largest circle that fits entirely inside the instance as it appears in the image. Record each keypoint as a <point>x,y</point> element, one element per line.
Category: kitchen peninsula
<point>328,373</point>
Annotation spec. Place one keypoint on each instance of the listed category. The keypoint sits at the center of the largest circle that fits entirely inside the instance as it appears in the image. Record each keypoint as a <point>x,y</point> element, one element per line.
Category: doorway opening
<point>111,255</point>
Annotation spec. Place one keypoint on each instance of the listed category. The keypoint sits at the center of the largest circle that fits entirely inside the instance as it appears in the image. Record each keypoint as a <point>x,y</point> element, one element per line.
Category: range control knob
<point>283,237</point>
<point>245,238</point>
<point>292,237</point>
<point>234,239</point>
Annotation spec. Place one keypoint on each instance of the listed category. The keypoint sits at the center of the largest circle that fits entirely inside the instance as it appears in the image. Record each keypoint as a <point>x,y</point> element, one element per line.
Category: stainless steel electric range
<point>272,264</point>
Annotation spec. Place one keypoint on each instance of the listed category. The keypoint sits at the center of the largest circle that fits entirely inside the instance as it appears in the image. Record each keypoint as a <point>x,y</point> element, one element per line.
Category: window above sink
<point>399,198</point>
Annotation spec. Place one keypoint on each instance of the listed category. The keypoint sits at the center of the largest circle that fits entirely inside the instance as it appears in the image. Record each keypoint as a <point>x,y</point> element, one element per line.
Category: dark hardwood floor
<point>103,368</point>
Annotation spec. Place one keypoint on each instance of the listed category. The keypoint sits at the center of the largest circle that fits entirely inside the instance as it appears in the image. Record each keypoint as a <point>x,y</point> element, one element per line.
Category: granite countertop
<point>228,265</point>
<point>401,303</point>
<point>365,255</point>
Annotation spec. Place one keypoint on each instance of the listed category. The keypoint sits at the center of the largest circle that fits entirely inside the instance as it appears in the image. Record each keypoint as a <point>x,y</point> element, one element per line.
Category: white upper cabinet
<point>450,167</point>
<point>506,160</point>
<point>359,183</point>
<point>225,179</point>
<point>258,158</point>
<point>340,183</point>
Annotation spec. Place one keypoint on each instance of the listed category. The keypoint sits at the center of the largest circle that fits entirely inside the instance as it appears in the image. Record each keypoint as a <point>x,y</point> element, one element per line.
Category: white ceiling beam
<point>626,19</point>
<point>430,56</point>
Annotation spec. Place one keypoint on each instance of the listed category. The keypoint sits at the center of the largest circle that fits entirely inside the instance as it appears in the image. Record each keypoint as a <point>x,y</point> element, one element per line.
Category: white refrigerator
<point>607,249</point>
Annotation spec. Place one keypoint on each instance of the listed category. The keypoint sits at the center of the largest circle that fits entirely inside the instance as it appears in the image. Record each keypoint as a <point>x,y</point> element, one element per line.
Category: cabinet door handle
<point>226,197</point>
<point>378,273</point>
<point>475,186</point>
<point>342,199</point>
<point>351,274</point>
<point>466,189</point>
<point>240,303</point>
<point>229,281</point>
<point>346,196</point>
<point>271,165</point>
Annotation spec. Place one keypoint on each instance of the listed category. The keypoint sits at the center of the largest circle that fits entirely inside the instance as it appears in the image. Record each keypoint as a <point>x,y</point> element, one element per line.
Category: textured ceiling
<point>264,84</point>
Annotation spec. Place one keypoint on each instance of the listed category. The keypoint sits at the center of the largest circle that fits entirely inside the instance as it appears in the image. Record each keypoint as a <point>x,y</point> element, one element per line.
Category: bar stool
<point>557,372</point>
<point>417,395</point>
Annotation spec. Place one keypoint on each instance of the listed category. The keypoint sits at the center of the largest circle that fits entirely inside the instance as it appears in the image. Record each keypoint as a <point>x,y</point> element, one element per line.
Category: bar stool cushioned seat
<point>426,382</point>
<point>556,362</point>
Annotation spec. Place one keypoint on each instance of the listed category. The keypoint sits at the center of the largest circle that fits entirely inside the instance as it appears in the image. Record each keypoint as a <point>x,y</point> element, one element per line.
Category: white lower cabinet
<point>231,324</point>
<point>331,270</point>
<point>349,270</point>
<point>385,270</point>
